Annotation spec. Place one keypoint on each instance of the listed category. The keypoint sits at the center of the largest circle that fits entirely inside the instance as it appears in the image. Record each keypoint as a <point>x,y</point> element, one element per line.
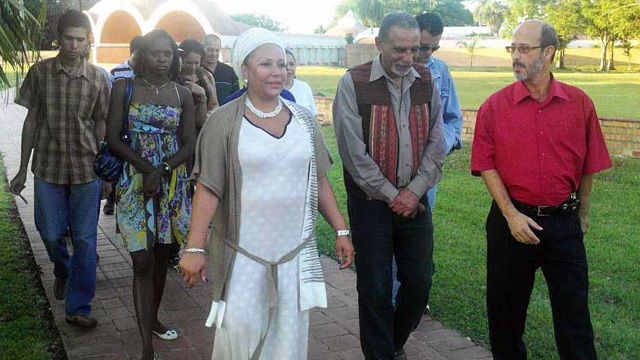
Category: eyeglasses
<point>522,49</point>
<point>425,48</point>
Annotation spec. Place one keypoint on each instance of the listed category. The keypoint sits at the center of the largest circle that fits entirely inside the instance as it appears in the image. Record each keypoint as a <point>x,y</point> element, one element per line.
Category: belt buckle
<point>538,208</point>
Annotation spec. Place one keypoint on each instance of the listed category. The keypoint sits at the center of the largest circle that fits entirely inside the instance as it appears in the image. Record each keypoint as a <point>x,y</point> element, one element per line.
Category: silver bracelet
<point>195,251</point>
<point>343,232</point>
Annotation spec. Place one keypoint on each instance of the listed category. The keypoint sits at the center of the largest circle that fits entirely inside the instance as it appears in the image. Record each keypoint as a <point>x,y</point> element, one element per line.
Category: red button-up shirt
<point>540,150</point>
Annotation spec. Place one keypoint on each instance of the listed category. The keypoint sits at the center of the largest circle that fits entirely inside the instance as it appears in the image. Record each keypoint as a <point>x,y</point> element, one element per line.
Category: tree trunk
<point>611,65</point>
<point>560,62</point>
<point>603,55</point>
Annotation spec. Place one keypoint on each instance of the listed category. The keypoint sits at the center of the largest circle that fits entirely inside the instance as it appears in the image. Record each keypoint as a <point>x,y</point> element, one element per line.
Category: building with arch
<point>115,22</point>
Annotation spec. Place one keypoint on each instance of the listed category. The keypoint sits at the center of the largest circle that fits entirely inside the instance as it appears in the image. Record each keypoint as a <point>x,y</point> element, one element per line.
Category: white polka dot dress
<point>274,186</point>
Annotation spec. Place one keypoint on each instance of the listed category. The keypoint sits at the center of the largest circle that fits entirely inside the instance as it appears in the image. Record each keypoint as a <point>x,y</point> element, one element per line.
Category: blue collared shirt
<point>451,113</point>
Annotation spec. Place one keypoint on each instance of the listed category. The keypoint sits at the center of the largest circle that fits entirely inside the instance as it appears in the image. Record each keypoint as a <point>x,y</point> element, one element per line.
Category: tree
<point>470,46</point>
<point>491,13</point>
<point>262,21</point>
<point>20,33</point>
<point>371,12</point>
<point>566,17</point>
<point>521,10</point>
<point>599,22</point>
<point>320,30</point>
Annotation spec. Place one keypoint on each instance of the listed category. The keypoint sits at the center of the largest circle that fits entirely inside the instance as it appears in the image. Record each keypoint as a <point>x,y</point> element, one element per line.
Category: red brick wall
<point>622,135</point>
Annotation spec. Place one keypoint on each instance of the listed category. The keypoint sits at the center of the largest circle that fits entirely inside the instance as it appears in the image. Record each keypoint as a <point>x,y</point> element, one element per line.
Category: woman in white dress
<point>301,90</point>
<point>260,168</point>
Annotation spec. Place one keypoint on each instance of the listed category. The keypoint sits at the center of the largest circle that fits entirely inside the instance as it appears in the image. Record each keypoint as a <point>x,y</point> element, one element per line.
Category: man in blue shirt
<point>431,28</point>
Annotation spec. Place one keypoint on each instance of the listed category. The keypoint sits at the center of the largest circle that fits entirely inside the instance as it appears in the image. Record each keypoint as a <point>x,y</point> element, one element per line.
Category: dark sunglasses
<point>425,48</point>
<point>522,49</point>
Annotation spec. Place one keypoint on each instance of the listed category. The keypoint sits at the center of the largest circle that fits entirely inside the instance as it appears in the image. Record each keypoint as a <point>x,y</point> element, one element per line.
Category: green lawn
<point>614,94</point>
<point>26,326</point>
<point>458,294</point>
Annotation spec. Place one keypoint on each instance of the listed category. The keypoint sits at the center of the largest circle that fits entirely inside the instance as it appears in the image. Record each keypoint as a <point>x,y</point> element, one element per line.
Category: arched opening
<point>117,31</point>
<point>120,27</point>
<point>181,25</point>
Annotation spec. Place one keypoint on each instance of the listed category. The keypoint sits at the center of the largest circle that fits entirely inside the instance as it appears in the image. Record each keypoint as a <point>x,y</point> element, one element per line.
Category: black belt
<point>569,206</point>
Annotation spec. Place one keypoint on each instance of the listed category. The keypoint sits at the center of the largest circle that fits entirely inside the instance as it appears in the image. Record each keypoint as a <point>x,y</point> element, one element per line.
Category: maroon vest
<point>379,124</point>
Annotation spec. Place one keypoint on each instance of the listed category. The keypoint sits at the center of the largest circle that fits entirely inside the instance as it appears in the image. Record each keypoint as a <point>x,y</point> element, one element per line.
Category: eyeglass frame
<point>511,48</point>
<point>425,48</point>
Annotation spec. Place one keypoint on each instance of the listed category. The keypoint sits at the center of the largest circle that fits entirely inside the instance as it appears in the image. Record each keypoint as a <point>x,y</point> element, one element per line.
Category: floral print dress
<point>144,221</point>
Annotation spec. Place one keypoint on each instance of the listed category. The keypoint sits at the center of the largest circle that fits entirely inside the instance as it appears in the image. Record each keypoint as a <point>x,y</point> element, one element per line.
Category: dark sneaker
<point>59,288</point>
<point>400,355</point>
<point>108,208</point>
<point>82,321</point>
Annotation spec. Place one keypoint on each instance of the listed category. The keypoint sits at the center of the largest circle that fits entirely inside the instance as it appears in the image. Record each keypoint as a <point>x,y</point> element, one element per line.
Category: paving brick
<point>327,330</point>
<point>351,325</point>
<point>344,313</point>
<point>471,353</point>
<point>125,323</point>
<point>318,318</point>
<point>341,343</point>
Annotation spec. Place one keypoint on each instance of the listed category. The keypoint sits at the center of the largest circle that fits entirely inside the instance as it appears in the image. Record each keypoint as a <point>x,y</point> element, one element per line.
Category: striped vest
<point>379,123</point>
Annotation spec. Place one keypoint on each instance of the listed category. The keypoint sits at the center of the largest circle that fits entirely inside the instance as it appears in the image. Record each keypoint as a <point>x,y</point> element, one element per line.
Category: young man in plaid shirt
<point>68,100</point>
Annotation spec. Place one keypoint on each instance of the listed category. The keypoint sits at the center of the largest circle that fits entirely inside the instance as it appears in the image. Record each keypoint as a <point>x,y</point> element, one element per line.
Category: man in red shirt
<point>537,144</point>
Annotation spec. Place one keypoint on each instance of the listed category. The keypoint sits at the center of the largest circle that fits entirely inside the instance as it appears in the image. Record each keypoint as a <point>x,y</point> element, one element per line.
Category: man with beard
<point>537,144</point>
<point>388,125</point>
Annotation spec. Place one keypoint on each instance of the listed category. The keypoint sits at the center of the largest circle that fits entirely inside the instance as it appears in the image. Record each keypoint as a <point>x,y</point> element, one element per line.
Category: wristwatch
<point>166,168</point>
<point>343,232</point>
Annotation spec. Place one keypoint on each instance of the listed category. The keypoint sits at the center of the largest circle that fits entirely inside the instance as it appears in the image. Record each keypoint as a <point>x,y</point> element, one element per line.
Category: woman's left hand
<point>151,182</point>
<point>344,249</point>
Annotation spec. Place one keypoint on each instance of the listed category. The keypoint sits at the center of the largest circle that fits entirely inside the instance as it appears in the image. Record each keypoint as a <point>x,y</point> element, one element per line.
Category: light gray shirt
<point>351,145</point>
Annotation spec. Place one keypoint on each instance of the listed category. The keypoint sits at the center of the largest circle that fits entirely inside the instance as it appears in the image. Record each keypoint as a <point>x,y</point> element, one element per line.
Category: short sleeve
<point>212,157</point>
<point>483,148</point>
<point>597,157</point>
<point>323,158</point>
<point>102,103</point>
<point>28,96</point>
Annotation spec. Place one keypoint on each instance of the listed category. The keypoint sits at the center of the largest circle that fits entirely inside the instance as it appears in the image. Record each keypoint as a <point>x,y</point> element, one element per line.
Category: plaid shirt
<point>71,103</point>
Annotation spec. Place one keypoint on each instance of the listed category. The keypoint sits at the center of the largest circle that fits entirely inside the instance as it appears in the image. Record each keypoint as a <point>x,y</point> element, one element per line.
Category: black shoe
<point>108,208</point>
<point>82,321</point>
<point>400,355</point>
<point>59,288</point>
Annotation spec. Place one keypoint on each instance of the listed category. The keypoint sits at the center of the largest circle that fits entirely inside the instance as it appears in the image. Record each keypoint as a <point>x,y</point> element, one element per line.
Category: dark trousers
<point>511,268</point>
<point>379,235</point>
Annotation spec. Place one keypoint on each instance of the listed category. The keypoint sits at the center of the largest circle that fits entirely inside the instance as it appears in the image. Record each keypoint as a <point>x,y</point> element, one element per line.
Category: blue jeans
<point>431,197</point>
<point>57,207</point>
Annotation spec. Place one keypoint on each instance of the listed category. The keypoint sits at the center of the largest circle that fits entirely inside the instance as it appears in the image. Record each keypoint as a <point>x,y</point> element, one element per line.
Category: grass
<point>458,294</point>
<point>26,324</point>
<point>614,94</point>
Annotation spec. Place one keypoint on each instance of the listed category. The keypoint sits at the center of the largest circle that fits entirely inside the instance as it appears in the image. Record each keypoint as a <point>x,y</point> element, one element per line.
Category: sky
<point>298,16</point>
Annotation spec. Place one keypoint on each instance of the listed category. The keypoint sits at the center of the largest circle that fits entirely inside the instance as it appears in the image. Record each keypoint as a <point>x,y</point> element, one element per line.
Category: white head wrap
<point>249,41</point>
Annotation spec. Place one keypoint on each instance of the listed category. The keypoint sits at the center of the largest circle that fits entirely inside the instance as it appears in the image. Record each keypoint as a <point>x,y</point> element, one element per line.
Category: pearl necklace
<point>261,114</point>
<point>156,87</point>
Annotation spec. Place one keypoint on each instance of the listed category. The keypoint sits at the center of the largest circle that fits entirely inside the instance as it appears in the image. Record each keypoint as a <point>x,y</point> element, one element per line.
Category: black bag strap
<point>128,92</point>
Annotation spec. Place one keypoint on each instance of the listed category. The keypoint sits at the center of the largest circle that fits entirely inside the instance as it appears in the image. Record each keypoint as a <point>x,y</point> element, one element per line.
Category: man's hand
<point>584,222</point>
<point>405,204</point>
<point>344,247</point>
<point>192,267</point>
<point>105,190</point>
<point>520,226</point>
<point>17,183</point>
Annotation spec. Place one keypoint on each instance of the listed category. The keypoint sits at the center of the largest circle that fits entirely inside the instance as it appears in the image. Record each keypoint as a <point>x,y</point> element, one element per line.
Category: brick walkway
<point>333,333</point>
